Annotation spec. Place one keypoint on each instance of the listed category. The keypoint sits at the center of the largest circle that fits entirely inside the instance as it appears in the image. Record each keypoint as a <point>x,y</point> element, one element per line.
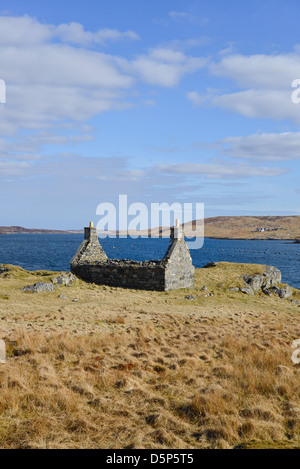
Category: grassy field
<point>111,368</point>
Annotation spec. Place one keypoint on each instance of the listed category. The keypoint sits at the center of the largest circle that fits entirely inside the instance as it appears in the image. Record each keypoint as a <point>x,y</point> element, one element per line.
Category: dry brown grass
<point>246,227</point>
<point>125,369</point>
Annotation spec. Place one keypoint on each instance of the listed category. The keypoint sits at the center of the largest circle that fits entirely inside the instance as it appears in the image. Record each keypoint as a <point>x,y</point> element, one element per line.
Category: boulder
<point>3,269</point>
<point>210,264</point>
<point>271,277</point>
<point>247,291</point>
<point>285,292</point>
<point>64,279</point>
<point>40,287</point>
<point>267,292</point>
<point>255,282</point>
<point>274,289</point>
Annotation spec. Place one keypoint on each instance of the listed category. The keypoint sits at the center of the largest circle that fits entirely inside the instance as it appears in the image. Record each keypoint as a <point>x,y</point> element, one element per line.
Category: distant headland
<point>237,227</point>
<point>21,230</point>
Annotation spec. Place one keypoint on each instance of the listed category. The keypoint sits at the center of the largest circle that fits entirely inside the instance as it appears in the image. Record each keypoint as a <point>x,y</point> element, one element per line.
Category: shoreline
<point>293,240</point>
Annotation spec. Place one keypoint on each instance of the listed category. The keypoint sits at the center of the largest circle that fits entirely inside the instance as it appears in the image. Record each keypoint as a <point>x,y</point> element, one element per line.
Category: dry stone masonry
<point>173,272</point>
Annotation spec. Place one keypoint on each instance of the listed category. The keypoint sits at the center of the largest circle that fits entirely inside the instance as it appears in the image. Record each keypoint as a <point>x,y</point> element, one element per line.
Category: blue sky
<point>165,101</point>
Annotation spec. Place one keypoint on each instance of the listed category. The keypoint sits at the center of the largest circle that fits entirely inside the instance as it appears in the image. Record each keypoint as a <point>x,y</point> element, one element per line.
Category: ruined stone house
<point>173,272</point>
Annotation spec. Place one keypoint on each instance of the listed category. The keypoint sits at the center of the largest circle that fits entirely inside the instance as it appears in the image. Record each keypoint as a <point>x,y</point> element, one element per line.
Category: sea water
<point>54,252</point>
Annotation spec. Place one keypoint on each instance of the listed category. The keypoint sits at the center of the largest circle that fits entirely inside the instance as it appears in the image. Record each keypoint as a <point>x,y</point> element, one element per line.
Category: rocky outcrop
<point>247,291</point>
<point>64,279</point>
<point>43,287</point>
<point>285,292</point>
<point>3,269</point>
<point>40,287</point>
<point>271,276</point>
<point>268,283</point>
<point>210,265</point>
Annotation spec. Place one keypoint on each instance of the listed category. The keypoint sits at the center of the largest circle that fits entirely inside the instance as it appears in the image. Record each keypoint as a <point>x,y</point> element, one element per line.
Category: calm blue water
<point>54,251</point>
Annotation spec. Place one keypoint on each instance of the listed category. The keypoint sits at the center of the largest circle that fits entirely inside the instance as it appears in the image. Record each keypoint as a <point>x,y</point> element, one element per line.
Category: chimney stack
<point>90,233</point>
<point>177,232</point>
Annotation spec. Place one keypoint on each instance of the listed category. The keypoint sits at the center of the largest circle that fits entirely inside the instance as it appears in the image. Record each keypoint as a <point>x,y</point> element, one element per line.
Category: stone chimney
<point>90,251</point>
<point>90,233</point>
<point>177,232</point>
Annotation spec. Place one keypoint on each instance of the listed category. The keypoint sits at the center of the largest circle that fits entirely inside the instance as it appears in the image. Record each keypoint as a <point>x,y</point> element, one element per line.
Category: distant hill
<point>276,227</point>
<point>20,229</point>
<point>273,227</point>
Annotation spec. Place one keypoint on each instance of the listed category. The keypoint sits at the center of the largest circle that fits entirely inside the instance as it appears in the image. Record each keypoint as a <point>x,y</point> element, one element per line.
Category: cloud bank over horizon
<point>99,110</point>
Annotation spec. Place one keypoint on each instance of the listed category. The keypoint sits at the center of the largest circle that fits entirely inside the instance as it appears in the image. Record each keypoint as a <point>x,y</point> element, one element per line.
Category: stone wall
<point>124,274</point>
<point>175,271</point>
<point>179,270</point>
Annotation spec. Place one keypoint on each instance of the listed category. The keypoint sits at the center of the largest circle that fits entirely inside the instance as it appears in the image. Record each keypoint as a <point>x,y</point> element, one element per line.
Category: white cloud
<point>183,15</point>
<point>124,175</point>
<point>196,98</point>
<point>178,15</point>
<point>25,30</point>
<point>74,33</point>
<point>260,71</point>
<point>167,56</point>
<point>60,65</point>
<point>220,170</point>
<point>265,86</point>
<point>50,82</point>
<point>228,50</point>
<point>163,67</point>
<point>185,44</point>
<point>253,103</point>
<point>28,147</point>
<point>271,104</point>
<point>264,147</point>
<point>149,102</point>
<point>12,168</point>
